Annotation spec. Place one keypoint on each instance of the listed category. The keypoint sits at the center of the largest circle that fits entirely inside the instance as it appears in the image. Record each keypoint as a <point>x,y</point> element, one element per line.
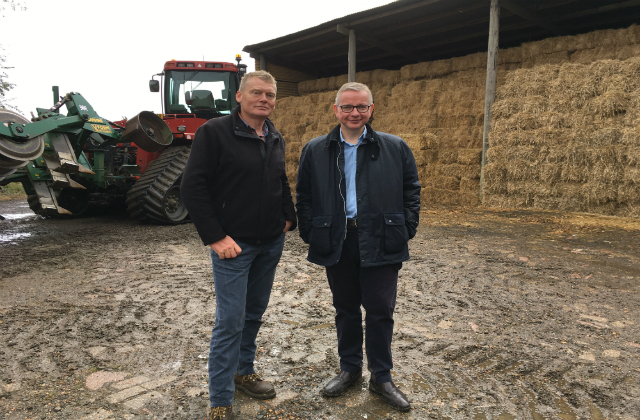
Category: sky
<point>108,51</point>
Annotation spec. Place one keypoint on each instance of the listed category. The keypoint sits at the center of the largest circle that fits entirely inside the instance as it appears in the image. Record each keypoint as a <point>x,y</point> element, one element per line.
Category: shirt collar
<point>265,128</point>
<point>362,136</point>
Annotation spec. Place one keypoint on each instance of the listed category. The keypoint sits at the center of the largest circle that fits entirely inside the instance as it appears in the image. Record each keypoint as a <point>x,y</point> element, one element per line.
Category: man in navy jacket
<point>358,201</point>
<point>236,190</point>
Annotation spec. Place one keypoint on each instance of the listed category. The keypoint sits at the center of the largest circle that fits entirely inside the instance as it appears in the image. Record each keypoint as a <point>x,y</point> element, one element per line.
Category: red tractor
<point>68,162</point>
<point>192,92</point>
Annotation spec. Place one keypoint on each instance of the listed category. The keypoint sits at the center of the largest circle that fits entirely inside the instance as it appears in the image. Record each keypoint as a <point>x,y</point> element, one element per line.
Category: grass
<point>12,191</point>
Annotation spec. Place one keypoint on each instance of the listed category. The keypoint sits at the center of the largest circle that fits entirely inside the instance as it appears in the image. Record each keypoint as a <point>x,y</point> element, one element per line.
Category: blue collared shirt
<point>350,162</point>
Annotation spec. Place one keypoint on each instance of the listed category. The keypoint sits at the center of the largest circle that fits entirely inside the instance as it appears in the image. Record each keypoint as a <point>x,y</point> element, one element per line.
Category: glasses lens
<point>362,108</point>
<point>346,108</point>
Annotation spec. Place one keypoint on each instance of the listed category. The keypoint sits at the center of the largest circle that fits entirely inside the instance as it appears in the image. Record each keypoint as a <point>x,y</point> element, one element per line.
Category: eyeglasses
<point>349,108</point>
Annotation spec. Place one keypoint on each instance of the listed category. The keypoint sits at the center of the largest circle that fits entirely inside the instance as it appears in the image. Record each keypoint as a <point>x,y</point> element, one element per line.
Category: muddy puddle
<point>501,315</point>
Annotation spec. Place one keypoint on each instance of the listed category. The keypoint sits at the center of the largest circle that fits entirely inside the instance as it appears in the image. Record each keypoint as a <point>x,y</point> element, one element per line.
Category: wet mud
<point>500,315</point>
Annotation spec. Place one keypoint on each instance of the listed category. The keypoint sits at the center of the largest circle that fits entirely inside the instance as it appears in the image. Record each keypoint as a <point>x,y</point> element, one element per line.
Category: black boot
<point>340,384</point>
<point>392,395</point>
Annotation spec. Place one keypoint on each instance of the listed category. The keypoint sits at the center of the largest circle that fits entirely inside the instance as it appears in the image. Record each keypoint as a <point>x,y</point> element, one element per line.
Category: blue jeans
<point>243,287</point>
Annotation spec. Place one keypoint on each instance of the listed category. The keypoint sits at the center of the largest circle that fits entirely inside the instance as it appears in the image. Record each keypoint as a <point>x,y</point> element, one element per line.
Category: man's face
<point>353,120</point>
<point>258,99</point>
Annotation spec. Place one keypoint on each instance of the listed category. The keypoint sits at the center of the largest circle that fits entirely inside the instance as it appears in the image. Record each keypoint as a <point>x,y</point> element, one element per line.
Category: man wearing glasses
<point>358,202</point>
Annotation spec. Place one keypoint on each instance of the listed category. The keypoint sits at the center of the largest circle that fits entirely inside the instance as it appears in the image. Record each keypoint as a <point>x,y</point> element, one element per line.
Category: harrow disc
<point>16,153</point>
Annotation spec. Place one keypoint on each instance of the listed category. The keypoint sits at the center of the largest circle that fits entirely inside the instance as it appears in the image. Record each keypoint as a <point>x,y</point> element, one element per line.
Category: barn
<point>505,103</point>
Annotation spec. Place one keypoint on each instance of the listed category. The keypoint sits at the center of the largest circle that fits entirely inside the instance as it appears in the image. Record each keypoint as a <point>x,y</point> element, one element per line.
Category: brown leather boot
<point>221,413</point>
<point>255,387</point>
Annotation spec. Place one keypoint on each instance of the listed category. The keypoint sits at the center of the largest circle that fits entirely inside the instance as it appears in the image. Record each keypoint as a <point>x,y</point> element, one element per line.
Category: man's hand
<point>226,248</point>
<point>287,226</point>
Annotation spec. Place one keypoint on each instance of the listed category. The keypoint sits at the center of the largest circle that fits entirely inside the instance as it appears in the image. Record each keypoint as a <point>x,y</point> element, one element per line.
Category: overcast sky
<point>108,51</point>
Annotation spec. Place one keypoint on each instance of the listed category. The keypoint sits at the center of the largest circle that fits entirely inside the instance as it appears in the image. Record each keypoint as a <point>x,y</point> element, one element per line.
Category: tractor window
<point>204,93</point>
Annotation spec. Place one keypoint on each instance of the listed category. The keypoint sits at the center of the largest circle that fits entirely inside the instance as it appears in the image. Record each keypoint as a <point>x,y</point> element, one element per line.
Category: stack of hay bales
<point>567,137</point>
<point>438,108</point>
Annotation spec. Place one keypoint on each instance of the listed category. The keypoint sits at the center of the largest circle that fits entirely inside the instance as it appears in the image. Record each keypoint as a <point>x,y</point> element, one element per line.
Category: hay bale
<point>559,57</point>
<point>363,77</point>
<point>454,121</point>
<point>628,193</point>
<point>306,86</point>
<point>458,137</point>
<point>399,90</point>
<point>424,141</point>
<point>442,182</point>
<point>322,85</point>
<point>385,77</point>
<point>406,72</point>
<point>440,68</point>
<point>470,186</point>
<point>458,171</point>
<point>469,156</point>
<point>438,196</point>
<point>534,104</point>
<point>425,157</point>
<point>447,156</point>
<point>471,61</point>
<point>495,177</point>
<point>510,56</point>
<point>549,173</point>
<point>530,49</point>
<point>624,52</point>
<point>614,37</point>
<point>607,105</point>
<point>469,200</point>
<point>594,54</point>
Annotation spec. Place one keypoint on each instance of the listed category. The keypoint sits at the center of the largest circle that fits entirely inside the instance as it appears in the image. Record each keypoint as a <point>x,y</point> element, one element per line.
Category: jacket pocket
<point>395,233</point>
<point>320,235</point>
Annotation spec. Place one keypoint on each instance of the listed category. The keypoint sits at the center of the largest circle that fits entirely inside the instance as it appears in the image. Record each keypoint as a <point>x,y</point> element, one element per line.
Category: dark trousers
<point>374,288</point>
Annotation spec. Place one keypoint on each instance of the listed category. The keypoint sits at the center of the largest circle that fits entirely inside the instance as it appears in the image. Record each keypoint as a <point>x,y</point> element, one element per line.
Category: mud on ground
<point>500,315</point>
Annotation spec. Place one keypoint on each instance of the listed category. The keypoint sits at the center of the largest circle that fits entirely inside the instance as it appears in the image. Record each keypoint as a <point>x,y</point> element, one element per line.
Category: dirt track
<point>500,315</point>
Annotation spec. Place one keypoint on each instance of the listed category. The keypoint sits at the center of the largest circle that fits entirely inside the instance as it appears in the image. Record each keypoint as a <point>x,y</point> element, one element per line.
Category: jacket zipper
<point>344,200</point>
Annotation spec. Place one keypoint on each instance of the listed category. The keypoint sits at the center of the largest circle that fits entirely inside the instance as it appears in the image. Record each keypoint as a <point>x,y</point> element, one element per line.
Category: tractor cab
<point>201,88</point>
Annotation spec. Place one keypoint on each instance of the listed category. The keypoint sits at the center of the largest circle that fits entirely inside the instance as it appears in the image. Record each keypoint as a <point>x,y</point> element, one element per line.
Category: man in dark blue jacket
<point>238,197</point>
<point>358,201</point>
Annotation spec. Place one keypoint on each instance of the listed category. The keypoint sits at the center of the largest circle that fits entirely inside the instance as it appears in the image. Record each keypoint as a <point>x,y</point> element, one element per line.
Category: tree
<point>12,5</point>
<point>5,86</point>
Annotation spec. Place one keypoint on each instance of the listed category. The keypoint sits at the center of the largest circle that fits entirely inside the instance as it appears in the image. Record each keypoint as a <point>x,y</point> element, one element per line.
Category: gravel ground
<point>500,315</point>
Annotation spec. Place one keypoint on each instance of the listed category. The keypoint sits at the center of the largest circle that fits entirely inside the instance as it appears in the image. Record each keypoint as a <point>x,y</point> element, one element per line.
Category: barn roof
<point>412,31</point>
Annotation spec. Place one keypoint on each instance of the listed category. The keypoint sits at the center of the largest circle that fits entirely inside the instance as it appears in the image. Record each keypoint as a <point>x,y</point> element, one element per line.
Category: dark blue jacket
<point>388,198</point>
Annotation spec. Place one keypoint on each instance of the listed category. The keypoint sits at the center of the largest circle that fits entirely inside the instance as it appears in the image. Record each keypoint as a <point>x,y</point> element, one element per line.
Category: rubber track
<point>144,199</point>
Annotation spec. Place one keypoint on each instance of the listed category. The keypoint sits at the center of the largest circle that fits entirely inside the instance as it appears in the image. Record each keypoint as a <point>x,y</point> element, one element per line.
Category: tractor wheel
<point>156,197</point>
<point>74,200</point>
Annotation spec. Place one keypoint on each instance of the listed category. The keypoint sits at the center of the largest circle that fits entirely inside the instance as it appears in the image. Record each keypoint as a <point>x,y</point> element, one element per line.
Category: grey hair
<point>265,76</point>
<point>357,87</point>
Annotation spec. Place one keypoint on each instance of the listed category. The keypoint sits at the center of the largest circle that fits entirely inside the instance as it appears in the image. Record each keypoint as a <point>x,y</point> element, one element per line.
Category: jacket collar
<point>334,135</point>
<point>240,127</point>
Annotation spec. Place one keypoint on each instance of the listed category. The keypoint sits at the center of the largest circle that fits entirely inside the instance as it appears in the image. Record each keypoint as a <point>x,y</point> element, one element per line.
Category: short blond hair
<point>265,76</point>
<point>357,87</point>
